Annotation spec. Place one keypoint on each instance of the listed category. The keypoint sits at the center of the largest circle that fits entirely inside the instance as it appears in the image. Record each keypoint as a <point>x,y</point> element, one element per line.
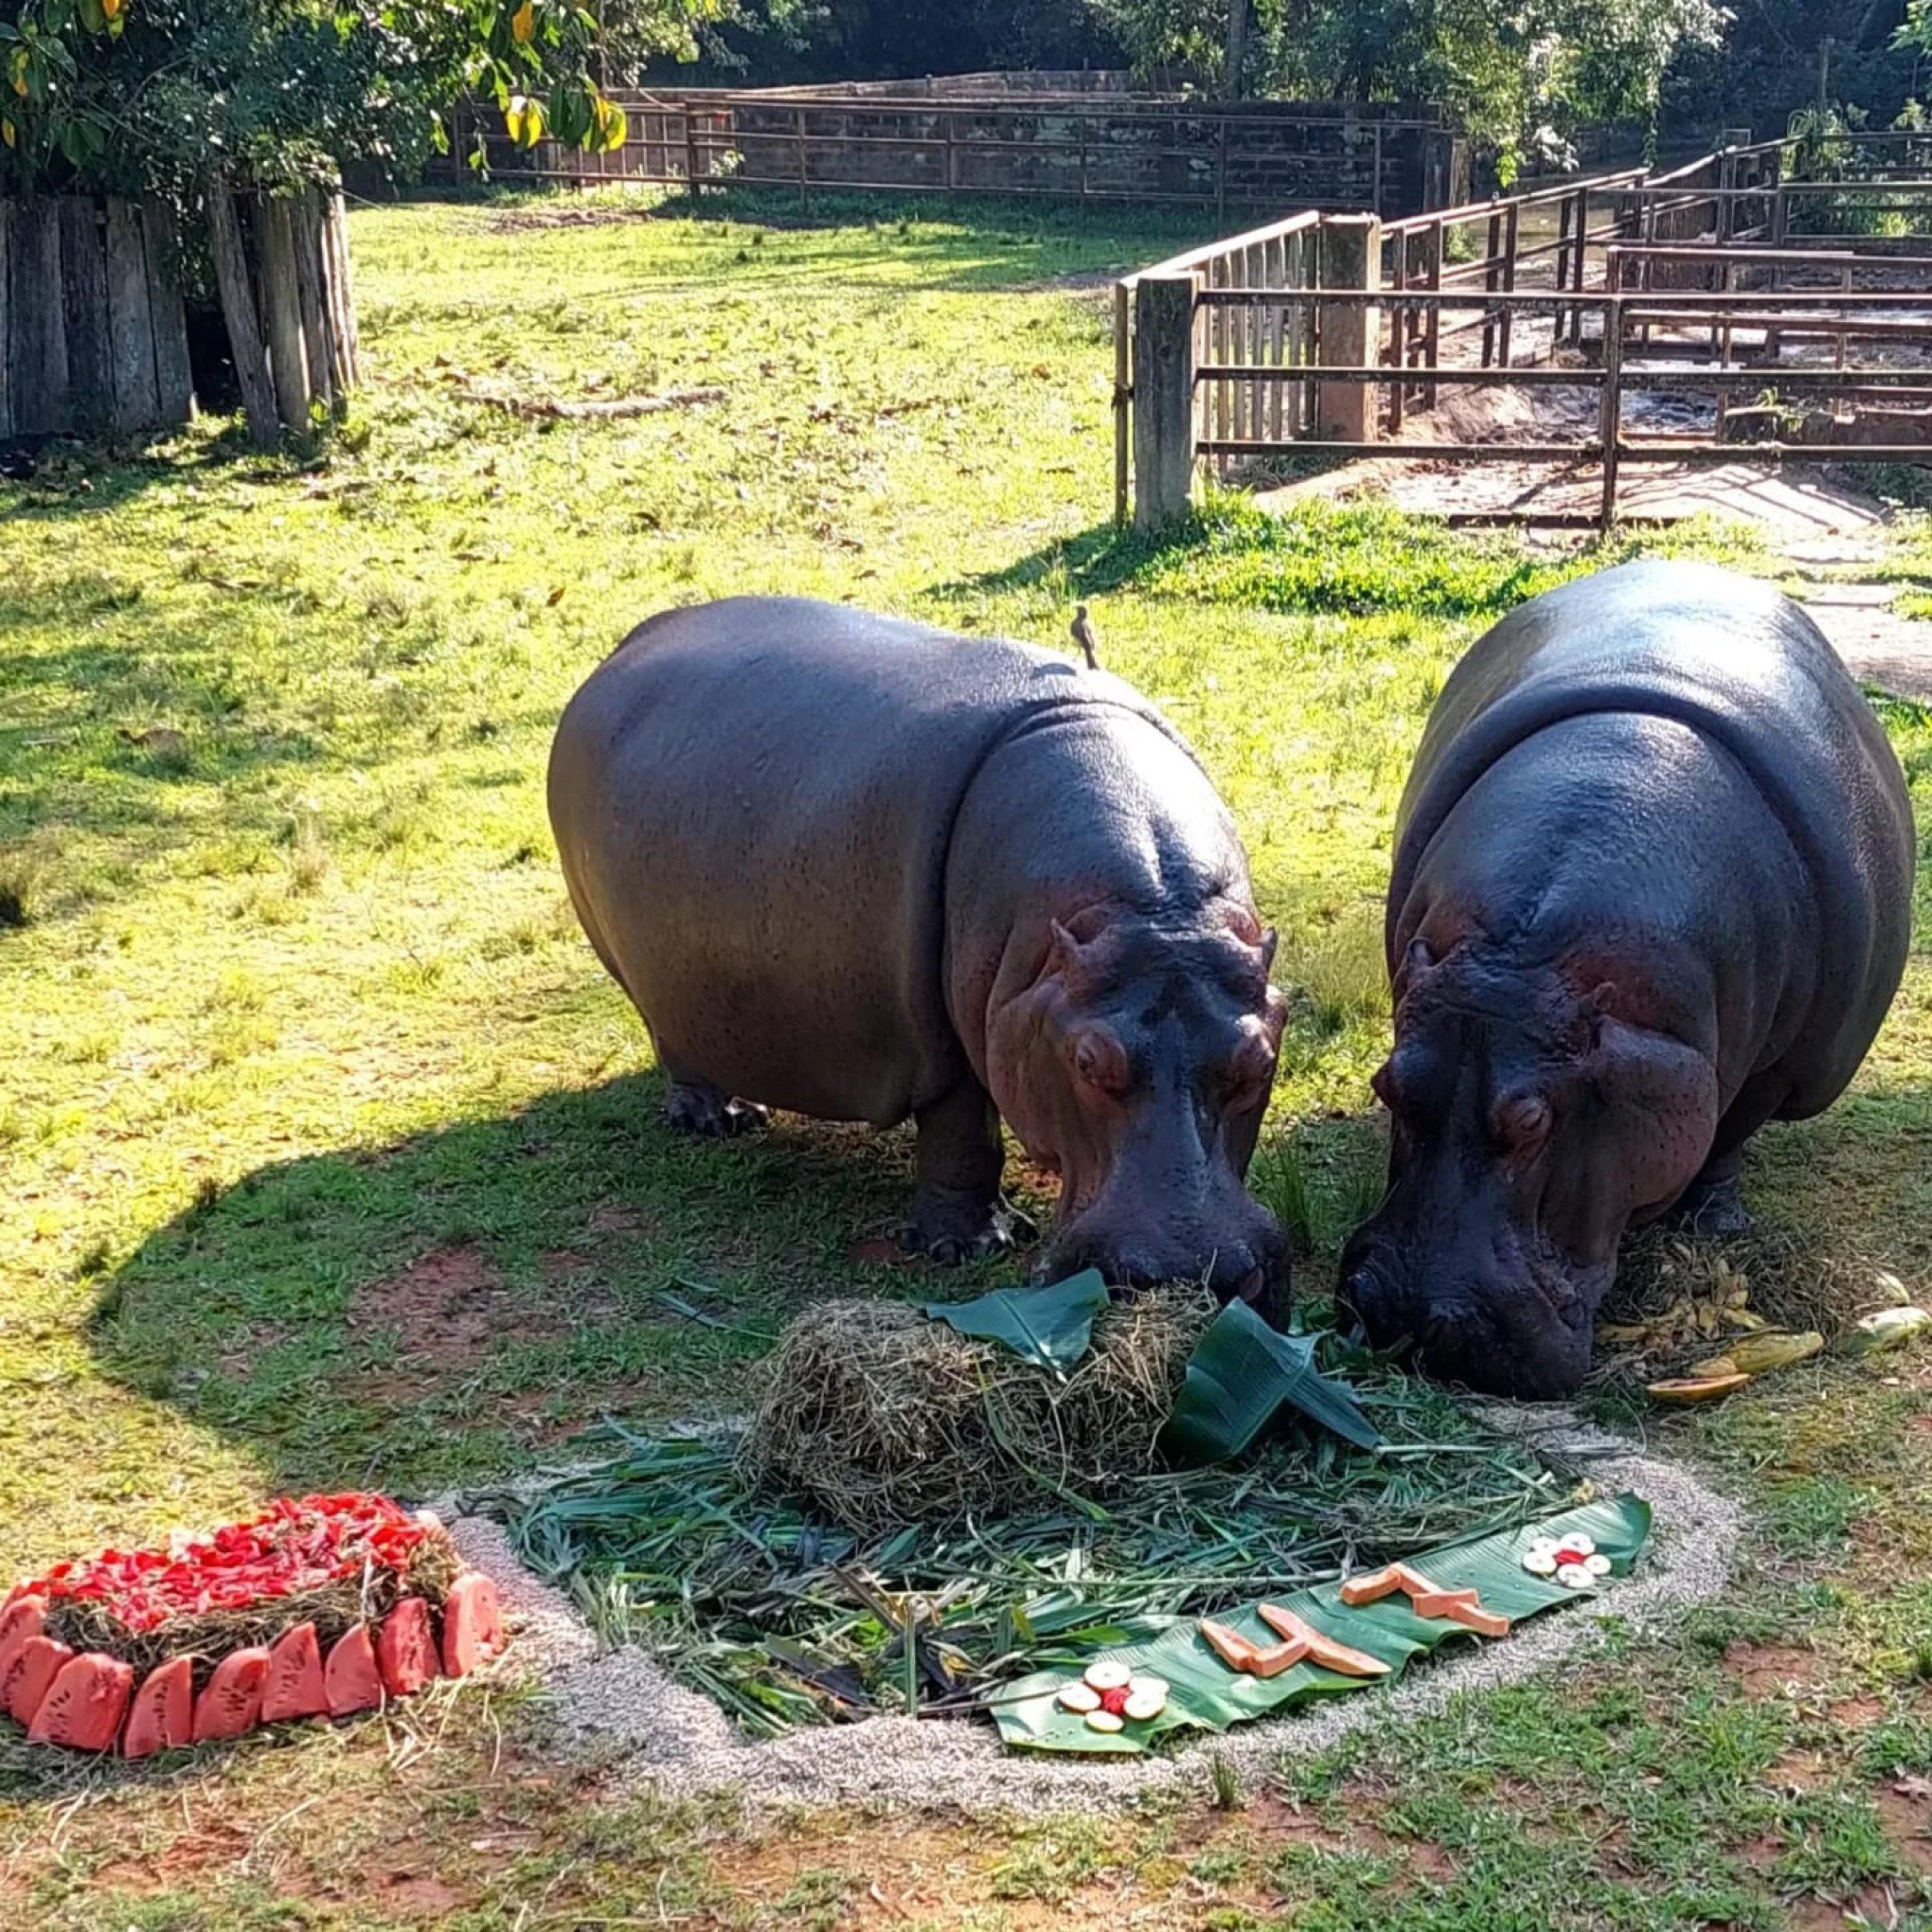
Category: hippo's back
<point>1743,665</point>
<point>753,801</point>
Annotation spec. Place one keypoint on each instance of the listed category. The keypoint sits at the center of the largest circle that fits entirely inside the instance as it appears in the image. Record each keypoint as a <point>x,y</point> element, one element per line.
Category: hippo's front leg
<point>956,1215</point>
<point>1713,1203</point>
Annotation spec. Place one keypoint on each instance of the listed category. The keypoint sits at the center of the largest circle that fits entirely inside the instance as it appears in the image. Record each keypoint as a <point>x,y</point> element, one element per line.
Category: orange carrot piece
<point>1473,1617</point>
<point>161,1717</point>
<point>1440,1602</point>
<point>1322,1648</point>
<point>84,1704</point>
<point>1230,1646</point>
<point>1277,1658</point>
<point>1369,1589</point>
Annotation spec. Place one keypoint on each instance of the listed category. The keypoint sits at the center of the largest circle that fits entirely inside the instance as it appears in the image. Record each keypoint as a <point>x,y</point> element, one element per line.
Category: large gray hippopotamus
<point>863,871</point>
<point>1652,886</point>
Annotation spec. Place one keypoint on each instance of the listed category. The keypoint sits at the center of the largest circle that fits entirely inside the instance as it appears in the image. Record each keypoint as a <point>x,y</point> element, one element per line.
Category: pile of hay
<point>882,1418</point>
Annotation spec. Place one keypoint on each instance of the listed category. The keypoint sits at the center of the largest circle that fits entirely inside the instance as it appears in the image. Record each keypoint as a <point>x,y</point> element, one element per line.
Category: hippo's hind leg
<point>697,1106</point>
<point>957,1213</point>
<point>1713,1203</point>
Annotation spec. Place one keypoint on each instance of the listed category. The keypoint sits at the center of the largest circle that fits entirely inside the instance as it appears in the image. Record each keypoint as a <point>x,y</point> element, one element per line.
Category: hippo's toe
<point>951,1229</point>
<point>697,1107</point>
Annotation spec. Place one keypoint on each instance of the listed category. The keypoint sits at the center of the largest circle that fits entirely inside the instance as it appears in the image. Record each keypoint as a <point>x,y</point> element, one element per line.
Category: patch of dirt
<point>1905,1807</point>
<point>559,1265</point>
<point>1872,1905</point>
<point>418,1895</point>
<point>612,1217</point>
<point>247,1344</point>
<point>1798,1771</point>
<point>452,1306</point>
<point>1857,1712</point>
<point>1767,1670</point>
<point>879,1250</point>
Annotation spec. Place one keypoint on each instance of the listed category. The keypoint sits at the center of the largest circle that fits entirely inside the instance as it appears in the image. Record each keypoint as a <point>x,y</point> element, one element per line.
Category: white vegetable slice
<point>1104,1721</point>
<point>1104,1673</point>
<point>1540,1563</point>
<point>1584,1543</point>
<point>1597,1565</point>
<point>1148,1704</point>
<point>1147,1686</point>
<point>1078,1697</point>
<point>1573,1575</point>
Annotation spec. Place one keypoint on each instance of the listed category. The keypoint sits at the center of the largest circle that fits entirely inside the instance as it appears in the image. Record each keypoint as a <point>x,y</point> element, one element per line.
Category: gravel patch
<point>621,1708</point>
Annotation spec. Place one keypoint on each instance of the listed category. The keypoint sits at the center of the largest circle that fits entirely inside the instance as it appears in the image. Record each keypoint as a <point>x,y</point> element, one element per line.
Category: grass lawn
<point>328,1156</point>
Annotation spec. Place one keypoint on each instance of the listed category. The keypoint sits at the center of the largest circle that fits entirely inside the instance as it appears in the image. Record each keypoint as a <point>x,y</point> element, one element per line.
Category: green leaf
<point>1204,1694</point>
<point>1240,1375</point>
<point>1048,1327</point>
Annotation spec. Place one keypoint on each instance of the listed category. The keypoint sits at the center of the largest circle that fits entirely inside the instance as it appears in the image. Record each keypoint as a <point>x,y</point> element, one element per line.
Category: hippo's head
<point>1137,1063</point>
<point>1530,1123</point>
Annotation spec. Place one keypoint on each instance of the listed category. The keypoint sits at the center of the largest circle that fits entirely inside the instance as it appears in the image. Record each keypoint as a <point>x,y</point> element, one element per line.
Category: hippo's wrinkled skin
<point>861,869</point>
<point>1652,886</point>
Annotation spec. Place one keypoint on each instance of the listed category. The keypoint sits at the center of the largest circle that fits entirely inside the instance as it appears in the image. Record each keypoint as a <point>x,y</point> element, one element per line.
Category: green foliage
<point>1048,1327</point>
<point>148,95</point>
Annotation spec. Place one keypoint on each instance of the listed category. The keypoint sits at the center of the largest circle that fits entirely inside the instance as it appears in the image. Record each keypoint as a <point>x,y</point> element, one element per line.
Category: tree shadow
<point>462,1301</point>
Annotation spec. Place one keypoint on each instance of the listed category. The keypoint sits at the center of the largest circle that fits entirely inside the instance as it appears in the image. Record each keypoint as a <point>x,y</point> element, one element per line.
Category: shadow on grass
<point>462,1301</point>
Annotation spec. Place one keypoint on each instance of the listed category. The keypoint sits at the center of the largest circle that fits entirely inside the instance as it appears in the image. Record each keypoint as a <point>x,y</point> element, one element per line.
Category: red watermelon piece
<point>23,1616</point>
<point>230,1702</point>
<point>32,1674</point>
<point>84,1704</point>
<point>473,1623</point>
<point>405,1648</point>
<point>294,1684</point>
<point>161,1718</point>
<point>352,1679</point>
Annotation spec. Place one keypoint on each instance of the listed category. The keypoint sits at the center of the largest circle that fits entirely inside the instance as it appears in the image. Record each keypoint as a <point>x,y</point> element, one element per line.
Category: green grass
<point>299,1045</point>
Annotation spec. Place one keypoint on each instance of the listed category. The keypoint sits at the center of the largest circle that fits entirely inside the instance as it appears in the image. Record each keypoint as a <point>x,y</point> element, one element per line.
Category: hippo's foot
<point>1713,1208</point>
<point>695,1106</point>
<point>949,1227</point>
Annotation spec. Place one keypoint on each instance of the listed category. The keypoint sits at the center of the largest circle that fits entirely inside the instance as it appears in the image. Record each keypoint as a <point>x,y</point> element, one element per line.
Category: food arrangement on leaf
<point>318,1607</point>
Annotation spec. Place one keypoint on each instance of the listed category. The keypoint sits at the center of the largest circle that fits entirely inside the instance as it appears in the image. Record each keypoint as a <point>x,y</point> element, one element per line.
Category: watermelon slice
<point>161,1718</point>
<point>22,1617</point>
<point>231,1701</point>
<point>405,1648</point>
<point>473,1623</point>
<point>294,1684</point>
<point>352,1680</point>
<point>32,1674</point>
<point>85,1703</point>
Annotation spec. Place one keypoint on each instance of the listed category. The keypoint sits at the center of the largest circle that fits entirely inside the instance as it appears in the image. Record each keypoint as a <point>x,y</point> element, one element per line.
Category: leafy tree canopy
<point>146,96</point>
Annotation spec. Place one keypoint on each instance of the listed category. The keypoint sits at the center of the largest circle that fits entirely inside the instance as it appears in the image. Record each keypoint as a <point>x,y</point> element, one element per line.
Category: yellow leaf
<point>556,595</point>
<point>522,23</point>
<point>112,8</point>
<point>6,133</point>
<point>20,86</point>
<point>513,118</point>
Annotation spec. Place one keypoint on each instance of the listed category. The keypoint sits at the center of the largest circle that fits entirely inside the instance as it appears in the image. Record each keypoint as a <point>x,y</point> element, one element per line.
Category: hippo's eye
<point>1520,1121</point>
<point>1100,1059</point>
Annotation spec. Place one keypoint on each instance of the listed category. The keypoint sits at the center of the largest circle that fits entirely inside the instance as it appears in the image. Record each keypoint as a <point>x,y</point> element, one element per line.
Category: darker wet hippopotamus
<point>1651,884</point>
<point>863,871</point>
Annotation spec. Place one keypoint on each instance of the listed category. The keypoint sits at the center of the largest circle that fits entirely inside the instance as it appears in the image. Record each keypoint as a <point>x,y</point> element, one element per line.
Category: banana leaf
<point>1241,1373</point>
<point>1049,1327</point>
<point>1204,1694</point>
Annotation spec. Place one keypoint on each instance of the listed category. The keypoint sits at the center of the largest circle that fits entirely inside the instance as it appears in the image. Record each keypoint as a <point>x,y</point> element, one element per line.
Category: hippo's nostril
<point>1249,1287</point>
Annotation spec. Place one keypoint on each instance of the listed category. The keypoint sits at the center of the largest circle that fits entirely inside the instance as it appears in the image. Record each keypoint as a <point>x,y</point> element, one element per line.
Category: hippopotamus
<point>861,869</point>
<point>1651,888</point>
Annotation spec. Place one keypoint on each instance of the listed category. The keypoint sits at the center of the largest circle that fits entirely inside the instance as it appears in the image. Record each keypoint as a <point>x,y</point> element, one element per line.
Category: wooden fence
<point>1712,284</point>
<point>92,335</point>
<point>94,330</point>
<point>1088,147</point>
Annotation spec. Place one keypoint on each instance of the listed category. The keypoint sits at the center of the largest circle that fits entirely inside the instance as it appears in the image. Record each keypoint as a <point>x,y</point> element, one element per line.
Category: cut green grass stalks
<point>785,1620</point>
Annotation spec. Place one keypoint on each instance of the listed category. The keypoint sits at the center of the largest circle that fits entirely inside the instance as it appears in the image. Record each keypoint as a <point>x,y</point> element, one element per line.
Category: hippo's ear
<point>1597,1005</point>
<point>1063,954</point>
<point>1419,959</point>
<point>1270,941</point>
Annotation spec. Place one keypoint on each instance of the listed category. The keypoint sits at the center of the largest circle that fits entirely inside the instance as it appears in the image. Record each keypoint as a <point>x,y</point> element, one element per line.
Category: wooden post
<point>1163,398</point>
<point>690,150</point>
<point>281,308</point>
<point>1432,326</point>
<point>1511,230</point>
<point>1351,336</point>
<point>1492,280</point>
<point>339,299</point>
<point>84,295</point>
<point>238,311</point>
<point>1610,412</point>
<point>306,227</point>
<point>6,328</point>
<point>1221,174</point>
<point>804,174</point>
<point>173,378</point>
<point>1124,373</point>
<point>952,158</point>
<point>130,322</point>
<point>37,334</point>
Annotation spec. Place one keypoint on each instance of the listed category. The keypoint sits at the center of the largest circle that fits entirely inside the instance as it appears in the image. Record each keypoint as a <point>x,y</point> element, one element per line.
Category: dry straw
<point>881,1417</point>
